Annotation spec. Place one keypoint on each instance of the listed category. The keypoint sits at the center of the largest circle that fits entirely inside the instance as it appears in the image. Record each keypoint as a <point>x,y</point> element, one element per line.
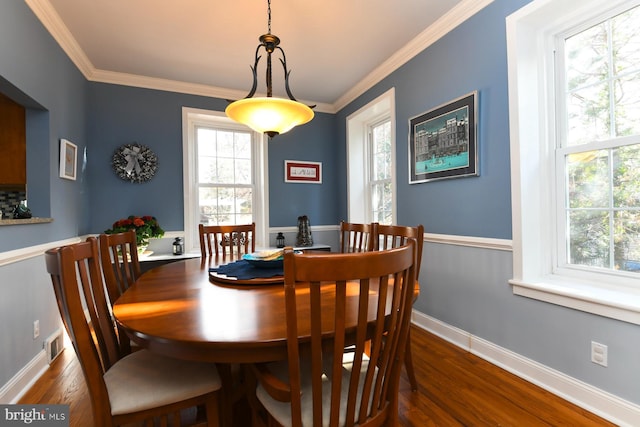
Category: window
<point>371,161</point>
<point>380,184</point>
<point>573,107</point>
<point>224,175</point>
<point>598,153</point>
<point>225,184</point>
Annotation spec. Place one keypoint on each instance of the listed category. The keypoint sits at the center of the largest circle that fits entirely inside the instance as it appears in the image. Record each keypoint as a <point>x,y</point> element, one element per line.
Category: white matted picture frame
<point>68,159</point>
<point>302,172</point>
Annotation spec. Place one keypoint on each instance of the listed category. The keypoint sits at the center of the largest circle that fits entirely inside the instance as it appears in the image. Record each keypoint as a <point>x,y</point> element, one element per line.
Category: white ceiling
<point>335,49</point>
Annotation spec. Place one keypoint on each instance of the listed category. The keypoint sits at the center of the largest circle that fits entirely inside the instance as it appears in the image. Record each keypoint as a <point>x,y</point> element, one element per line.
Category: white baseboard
<point>599,402</point>
<point>17,386</point>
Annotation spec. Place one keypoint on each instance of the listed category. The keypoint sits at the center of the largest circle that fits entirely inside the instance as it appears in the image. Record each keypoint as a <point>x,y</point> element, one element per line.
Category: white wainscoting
<point>593,399</point>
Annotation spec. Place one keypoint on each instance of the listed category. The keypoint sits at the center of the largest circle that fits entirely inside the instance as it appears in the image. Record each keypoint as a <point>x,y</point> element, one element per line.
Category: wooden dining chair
<point>227,240</point>
<point>120,269</point>
<point>127,389</point>
<point>393,236</point>
<point>315,387</point>
<point>119,259</point>
<point>357,237</point>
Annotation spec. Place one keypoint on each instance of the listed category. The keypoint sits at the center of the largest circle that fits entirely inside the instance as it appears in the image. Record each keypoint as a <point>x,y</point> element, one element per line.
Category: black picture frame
<point>443,141</point>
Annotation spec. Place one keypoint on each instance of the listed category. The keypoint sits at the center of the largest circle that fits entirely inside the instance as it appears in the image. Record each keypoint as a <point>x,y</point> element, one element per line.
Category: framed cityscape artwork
<point>443,141</point>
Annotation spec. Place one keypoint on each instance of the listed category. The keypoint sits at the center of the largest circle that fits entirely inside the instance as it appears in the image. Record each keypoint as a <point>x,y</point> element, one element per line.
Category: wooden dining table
<point>182,310</point>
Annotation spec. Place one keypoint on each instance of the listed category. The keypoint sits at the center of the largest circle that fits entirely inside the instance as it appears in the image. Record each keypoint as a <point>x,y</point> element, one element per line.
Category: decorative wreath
<point>134,162</point>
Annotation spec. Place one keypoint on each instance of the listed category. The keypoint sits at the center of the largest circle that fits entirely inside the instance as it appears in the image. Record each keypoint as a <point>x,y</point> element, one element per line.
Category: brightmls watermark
<point>34,415</point>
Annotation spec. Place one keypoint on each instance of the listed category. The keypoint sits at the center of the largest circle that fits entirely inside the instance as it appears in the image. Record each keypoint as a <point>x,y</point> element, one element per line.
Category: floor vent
<point>54,345</point>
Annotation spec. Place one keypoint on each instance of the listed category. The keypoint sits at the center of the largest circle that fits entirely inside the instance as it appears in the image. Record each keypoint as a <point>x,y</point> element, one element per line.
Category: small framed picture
<point>299,171</point>
<point>443,142</point>
<point>68,159</point>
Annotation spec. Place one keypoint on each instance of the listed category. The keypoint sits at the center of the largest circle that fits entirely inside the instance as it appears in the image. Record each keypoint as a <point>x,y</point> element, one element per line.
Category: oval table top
<point>177,310</point>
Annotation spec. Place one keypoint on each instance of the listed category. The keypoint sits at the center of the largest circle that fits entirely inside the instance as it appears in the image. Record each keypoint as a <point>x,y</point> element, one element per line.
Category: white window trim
<point>358,159</point>
<point>529,42</point>
<point>190,118</point>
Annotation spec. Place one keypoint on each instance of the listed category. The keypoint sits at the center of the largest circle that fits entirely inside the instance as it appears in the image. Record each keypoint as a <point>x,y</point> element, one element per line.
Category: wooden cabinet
<point>13,143</point>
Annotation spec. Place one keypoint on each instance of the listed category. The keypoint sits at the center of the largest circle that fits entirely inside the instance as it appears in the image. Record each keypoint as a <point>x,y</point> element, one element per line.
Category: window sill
<point>614,302</point>
<point>25,221</point>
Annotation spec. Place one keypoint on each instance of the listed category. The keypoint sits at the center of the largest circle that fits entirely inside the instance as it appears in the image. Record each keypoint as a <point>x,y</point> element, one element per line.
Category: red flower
<point>123,223</point>
<point>145,226</point>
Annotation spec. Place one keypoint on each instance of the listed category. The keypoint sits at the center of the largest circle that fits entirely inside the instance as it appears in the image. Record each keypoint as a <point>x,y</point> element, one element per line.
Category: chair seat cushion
<point>281,411</point>
<point>144,380</point>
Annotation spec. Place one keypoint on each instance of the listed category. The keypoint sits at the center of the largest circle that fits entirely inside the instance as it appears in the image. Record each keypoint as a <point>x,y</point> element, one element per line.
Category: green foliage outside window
<point>602,75</point>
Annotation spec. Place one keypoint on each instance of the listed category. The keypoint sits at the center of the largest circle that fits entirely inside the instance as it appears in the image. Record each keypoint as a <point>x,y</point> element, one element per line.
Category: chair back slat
<point>227,240</point>
<point>356,237</point>
<point>372,290</point>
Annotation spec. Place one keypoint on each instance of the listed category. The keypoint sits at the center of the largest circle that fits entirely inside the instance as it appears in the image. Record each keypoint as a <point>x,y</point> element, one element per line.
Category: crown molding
<point>47,15</point>
<point>456,16</point>
<point>61,34</point>
<point>135,80</point>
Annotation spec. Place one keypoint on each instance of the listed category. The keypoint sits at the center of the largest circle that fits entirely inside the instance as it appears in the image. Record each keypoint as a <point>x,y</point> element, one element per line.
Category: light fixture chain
<point>269,14</point>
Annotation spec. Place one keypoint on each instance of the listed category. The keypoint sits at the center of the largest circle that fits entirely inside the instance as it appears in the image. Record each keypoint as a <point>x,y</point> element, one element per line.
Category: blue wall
<point>121,115</point>
<point>36,73</point>
<point>115,115</point>
<point>470,58</point>
<point>315,142</point>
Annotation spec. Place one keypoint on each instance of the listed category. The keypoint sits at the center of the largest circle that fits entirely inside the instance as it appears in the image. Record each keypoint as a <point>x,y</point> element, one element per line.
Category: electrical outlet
<point>599,353</point>
<point>36,329</point>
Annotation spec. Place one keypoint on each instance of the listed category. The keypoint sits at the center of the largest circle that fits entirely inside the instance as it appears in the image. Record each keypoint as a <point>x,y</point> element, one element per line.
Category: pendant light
<point>269,115</point>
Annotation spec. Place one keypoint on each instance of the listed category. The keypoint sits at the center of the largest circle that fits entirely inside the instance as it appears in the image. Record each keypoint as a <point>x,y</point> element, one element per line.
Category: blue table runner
<point>245,270</point>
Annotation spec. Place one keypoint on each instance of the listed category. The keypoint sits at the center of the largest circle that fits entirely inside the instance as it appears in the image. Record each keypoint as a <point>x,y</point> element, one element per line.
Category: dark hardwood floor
<point>456,388</point>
